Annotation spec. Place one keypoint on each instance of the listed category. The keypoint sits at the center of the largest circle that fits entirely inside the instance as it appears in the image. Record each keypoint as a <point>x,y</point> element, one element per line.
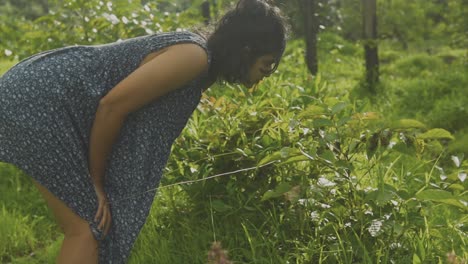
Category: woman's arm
<point>164,73</point>
<point>168,71</point>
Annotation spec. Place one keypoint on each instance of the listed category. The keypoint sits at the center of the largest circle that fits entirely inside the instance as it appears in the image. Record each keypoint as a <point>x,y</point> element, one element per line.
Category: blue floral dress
<point>47,108</point>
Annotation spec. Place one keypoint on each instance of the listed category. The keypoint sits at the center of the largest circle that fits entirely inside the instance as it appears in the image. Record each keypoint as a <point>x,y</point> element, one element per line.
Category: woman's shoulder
<point>180,36</point>
<point>161,38</point>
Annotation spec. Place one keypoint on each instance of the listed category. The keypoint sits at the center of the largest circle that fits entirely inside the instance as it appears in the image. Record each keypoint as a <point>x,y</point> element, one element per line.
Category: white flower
<point>315,216</point>
<point>375,227</point>
<point>456,160</point>
<point>302,201</point>
<point>109,6</point>
<point>125,20</point>
<point>111,18</point>
<point>322,133</point>
<point>369,189</point>
<point>324,182</point>
<point>395,245</point>
<point>462,176</point>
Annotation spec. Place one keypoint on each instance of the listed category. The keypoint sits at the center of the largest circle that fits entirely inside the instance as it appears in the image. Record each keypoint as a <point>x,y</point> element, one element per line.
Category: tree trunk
<point>311,26</point>
<point>370,43</point>
<point>206,12</point>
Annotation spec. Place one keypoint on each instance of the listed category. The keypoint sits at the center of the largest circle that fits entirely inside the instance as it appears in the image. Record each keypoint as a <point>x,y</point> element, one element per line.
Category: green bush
<point>414,66</point>
<point>434,96</point>
<point>449,112</point>
<point>333,43</point>
<point>460,144</point>
<point>331,166</point>
<point>89,22</point>
<point>389,56</point>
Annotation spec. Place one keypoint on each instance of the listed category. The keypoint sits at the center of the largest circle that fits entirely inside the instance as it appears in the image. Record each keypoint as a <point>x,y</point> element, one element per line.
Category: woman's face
<point>261,68</point>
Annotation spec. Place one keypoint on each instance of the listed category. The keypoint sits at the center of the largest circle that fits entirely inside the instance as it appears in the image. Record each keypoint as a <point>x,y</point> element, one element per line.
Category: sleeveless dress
<point>47,108</point>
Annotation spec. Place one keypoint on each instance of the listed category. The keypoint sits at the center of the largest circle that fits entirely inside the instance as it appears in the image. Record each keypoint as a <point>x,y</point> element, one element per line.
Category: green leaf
<point>220,206</point>
<point>240,151</point>
<point>434,195</point>
<point>436,133</point>
<point>352,146</point>
<point>312,110</point>
<point>331,100</point>
<point>416,259</point>
<point>321,122</point>
<point>294,159</point>
<point>385,194</point>
<point>328,156</point>
<point>339,107</point>
<point>440,196</point>
<point>285,152</point>
<point>382,195</point>
<point>250,208</point>
<point>343,121</point>
<point>407,123</point>
<point>457,187</point>
<point>405,149</point>
<point>280,189</point>
<point>435,146</point>
<point>269,158</point>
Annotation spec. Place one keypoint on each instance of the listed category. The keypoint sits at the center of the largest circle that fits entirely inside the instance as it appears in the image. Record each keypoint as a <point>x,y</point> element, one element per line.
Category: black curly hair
<point>252,29</point>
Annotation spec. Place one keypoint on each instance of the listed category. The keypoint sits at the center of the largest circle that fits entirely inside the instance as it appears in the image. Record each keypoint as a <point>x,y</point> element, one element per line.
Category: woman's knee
<point>78,247</point>
<point>71,224</point>
<point>81,230</point>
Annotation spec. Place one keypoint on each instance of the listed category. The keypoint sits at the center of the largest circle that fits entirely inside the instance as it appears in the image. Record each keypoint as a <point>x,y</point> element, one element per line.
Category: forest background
<point>308,168</point>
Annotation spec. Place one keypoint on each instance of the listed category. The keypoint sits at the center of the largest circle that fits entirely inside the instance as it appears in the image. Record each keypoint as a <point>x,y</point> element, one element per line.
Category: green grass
<point>5,65</point>
<point>395,206</point>
<point>27,228</point>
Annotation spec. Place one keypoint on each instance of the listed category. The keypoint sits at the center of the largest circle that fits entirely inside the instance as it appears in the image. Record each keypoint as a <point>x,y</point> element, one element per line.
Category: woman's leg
<point>79,245</point>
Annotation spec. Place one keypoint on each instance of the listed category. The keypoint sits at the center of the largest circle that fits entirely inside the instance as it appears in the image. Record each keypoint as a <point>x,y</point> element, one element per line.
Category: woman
<point>94,125</point>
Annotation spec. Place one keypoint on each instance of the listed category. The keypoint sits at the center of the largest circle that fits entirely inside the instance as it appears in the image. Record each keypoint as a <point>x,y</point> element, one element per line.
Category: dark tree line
<point>307,17</point>
<point>312,17</point>
<point>30,9</point>
<point>311,26</point>
<point>369,15</point>
<point>312,22</point>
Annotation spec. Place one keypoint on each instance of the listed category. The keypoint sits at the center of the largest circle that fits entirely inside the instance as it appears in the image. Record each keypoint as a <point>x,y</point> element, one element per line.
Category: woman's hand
<point>103,214</point>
